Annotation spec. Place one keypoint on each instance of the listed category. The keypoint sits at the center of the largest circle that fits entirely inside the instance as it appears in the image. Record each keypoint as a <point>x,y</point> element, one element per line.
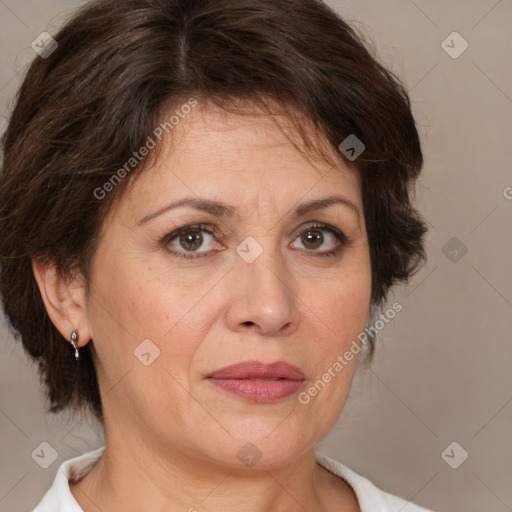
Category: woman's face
<point>263,274</point>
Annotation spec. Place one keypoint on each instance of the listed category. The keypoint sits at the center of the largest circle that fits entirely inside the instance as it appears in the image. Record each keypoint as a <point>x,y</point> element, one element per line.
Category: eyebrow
<point>219,209</point>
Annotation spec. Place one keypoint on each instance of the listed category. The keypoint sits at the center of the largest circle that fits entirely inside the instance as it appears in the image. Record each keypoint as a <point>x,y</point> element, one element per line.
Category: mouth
<point>259,382</point>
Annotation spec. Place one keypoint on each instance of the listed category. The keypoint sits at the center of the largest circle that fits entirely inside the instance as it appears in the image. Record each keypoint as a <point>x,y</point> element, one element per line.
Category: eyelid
<point>209,228</point>
<point>320,225</point>
<point>213,230</point>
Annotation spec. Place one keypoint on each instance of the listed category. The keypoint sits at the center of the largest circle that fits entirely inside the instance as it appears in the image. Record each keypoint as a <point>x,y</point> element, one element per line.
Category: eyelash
<point>167,239</point>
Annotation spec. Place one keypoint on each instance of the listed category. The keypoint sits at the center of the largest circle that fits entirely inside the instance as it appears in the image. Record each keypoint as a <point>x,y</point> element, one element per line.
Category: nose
<point>262,298</point>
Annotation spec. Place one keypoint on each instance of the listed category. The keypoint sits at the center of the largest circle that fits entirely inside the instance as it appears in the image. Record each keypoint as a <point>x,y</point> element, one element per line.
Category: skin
<point>172,437</point>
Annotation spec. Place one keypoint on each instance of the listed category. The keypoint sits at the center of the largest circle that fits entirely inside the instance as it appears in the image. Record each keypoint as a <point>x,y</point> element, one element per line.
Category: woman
<point>201,204</point>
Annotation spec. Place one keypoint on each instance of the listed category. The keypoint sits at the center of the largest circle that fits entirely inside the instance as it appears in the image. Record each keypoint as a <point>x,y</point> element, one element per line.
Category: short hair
<point>118,68</point>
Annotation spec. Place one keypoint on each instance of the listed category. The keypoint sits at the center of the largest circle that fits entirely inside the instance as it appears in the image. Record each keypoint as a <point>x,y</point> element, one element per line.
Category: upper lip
<point>258,370</point>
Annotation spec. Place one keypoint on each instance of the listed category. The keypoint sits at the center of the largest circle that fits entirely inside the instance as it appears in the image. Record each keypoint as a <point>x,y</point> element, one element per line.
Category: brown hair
<point>82,111</point>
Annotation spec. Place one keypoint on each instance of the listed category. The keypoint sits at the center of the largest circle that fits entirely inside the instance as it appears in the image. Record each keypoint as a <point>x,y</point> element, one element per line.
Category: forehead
<point>229,134</point>
<point>213,153</point>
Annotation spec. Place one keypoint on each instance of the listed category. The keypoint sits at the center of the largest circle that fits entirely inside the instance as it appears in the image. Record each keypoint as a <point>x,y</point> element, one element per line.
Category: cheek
<point>119,310</point>
<point>136,302</point>
<point>138,297</point>
<point>336,325</point>
<point>344,304</point>
<point>128,307</point>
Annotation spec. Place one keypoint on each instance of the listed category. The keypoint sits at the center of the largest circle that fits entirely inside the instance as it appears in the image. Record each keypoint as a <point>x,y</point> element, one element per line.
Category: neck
<point>127,479</point>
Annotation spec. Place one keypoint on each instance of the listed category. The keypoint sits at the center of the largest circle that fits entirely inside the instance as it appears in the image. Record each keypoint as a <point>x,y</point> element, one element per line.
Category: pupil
<point>312,238</point>
<point>191,240</point>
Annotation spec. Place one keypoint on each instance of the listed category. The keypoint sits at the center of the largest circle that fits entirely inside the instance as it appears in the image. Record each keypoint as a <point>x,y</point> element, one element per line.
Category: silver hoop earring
<point>74,339</point>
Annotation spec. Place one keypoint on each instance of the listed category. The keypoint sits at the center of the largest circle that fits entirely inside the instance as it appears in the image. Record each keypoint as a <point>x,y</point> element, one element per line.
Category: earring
<point>74,339</point>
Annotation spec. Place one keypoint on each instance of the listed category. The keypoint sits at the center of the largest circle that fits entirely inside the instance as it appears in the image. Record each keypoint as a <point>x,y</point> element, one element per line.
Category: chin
<point>262,445</point>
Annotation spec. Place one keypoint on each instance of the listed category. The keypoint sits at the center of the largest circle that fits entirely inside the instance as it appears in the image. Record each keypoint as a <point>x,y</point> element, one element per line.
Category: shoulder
<point>371,498</point>
<point>59,498</point>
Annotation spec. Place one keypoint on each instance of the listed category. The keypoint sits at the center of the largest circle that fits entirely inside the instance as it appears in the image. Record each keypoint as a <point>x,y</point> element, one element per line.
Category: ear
<point>64,299</point>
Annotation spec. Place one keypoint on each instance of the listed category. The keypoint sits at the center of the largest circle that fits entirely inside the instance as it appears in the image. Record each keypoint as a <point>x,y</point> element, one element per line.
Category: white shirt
<point>371,499</point>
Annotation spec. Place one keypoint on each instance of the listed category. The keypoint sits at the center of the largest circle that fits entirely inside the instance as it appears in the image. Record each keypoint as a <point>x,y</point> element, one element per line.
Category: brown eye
<point>191,240</point>
<point>312,238</point>
<point>320,240</point>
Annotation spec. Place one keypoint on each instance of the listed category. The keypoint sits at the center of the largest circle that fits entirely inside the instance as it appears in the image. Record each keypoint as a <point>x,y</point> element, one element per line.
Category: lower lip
<point>261,391</point>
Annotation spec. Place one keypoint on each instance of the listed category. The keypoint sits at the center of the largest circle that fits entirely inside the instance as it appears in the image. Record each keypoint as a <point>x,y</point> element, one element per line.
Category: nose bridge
<point>269,272</point>
<point>263,295</point>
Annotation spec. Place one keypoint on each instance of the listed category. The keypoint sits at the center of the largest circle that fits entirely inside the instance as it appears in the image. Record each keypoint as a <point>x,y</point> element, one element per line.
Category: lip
<point>259,382</point>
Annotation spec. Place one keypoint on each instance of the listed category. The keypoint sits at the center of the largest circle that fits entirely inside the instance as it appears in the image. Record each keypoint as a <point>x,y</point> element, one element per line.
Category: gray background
<point>442,369</point>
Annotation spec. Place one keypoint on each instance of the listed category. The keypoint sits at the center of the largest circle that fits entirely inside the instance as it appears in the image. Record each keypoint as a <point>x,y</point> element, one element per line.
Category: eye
<point>188,241</point>
<point>199,241</point>
<point>319,236</point>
